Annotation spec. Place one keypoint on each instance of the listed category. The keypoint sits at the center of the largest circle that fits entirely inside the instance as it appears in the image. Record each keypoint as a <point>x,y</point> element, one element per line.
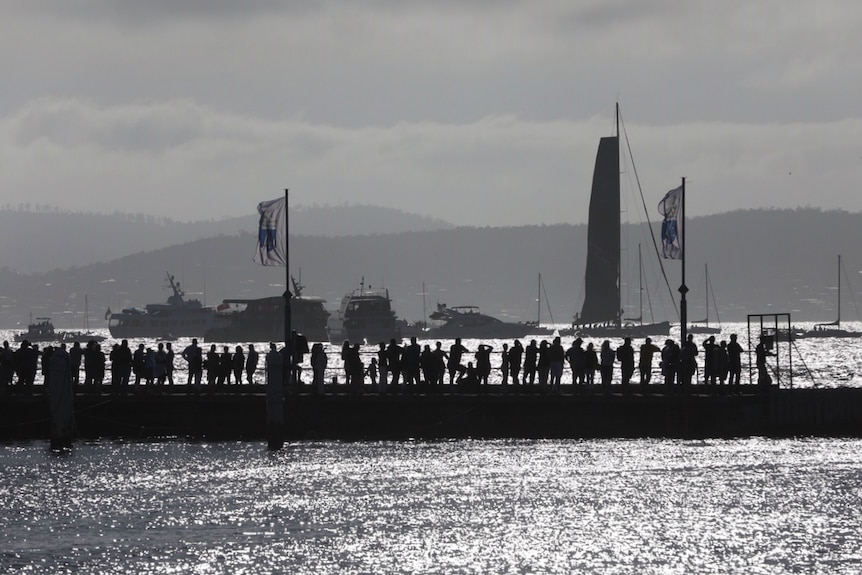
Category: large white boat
<point>178,317</point>
<point>467,322</point>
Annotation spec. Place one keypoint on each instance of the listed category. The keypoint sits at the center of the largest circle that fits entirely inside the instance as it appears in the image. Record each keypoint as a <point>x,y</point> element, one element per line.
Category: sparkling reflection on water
<point>598,506</point>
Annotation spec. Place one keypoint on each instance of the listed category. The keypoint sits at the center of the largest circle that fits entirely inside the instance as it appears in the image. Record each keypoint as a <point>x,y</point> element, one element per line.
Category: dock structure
<point>240,413</point>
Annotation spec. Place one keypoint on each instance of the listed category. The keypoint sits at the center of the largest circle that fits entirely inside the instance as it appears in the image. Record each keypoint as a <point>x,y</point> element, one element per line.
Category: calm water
<point>636,506</point>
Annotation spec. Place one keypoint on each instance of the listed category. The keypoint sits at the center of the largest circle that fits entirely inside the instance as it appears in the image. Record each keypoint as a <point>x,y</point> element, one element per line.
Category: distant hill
<point>760,261</point>
<point>46,239</point>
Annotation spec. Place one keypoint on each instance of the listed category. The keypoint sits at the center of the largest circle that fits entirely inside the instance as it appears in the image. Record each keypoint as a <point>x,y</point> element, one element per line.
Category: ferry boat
<point>262,319</point>
<point>178,317</point>
<point>366,315</point>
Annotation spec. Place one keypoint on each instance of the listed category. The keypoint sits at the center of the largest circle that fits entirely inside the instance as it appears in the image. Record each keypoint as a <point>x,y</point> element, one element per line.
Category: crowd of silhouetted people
<point>542,365</point>
<point>393,367</point>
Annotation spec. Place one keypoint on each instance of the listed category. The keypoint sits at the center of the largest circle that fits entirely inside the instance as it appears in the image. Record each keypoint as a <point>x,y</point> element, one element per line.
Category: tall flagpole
<point>683,311</point>
<point>288,329</point>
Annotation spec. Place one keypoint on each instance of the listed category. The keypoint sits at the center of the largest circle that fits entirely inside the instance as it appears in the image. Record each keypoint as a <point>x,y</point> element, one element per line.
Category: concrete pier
<point>241,413</point>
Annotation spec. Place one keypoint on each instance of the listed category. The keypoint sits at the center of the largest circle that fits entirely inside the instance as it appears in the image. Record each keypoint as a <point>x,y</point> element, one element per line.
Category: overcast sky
<point>477,112</point>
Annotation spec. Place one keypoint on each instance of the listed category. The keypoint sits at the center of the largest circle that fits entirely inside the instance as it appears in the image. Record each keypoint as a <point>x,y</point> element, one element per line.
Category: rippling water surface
<point>611,506</point>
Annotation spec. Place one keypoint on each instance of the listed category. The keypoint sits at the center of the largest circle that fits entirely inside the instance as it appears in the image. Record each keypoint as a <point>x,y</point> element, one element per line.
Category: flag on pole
<point>670,208</point>
<point>271,237</point>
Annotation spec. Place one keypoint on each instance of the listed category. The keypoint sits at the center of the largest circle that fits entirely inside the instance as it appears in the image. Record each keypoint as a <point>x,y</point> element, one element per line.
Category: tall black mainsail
<point>602,289</point>
<point>601,314</point>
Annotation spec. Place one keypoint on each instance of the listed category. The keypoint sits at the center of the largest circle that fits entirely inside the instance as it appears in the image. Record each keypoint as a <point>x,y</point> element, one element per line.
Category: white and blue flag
<point>670,207</point>
<point>272,233</point>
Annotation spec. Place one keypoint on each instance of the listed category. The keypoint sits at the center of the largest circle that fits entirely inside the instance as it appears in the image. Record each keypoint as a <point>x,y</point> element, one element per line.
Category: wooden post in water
<point>275,398</point>
<point>61,400</point>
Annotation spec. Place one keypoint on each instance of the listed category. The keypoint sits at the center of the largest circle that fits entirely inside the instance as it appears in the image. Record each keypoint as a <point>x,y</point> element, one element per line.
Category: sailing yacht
<point>601,314</point>
<point>832,329</point>
<point>703,327</point>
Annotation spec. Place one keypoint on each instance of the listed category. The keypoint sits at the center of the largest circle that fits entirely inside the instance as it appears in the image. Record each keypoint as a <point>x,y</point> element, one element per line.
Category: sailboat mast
<point>640,286</point>
<point>706,291</point>
<point>539,307</point>
<point>839,290</point>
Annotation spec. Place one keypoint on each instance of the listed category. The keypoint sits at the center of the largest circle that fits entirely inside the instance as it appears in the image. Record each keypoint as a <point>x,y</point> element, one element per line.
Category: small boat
<point>262,319</point>
<point>703,327</point>
<point>366,315</point>
<point>467,322</point>
<point>42,331</point>
<point>831,329</point>
<point>179,317</point>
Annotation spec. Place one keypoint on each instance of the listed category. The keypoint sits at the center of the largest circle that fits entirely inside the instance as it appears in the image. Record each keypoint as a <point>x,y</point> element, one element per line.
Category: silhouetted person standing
<point>504,363</point>
<point>160,369</point>
<point>556,359</point>
<point>382,367</point>
<point>7,367</point>
<point>410,363</point>
<point>300,348</point>
<point>393,360</point>
<point>426,363</point>
<point>531,357</point>
<point>734,361</point>
<point>169,363</point>
<point>543,363</point>
<point>591,364</point>
<point>440,358</point>
<point>669,363</point>
<point>626,357</point>
<point>606,365</point>
<point>212,366</point>
<point>225,362</point>
<point>687,361</point>
<point>483,363</point>
<point>76,354</point>
<point>194,357</point>
<point>238,364</point>
<point>515,356</point>
<point>139,359</point>
<point>357,369</point>
<point>456,351</point>
<point>318,367</point>
<point>647,351</point>
<point>122,364</point>
<point>251,360</point>
<point>760,354</point>
<point>710,369</point>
